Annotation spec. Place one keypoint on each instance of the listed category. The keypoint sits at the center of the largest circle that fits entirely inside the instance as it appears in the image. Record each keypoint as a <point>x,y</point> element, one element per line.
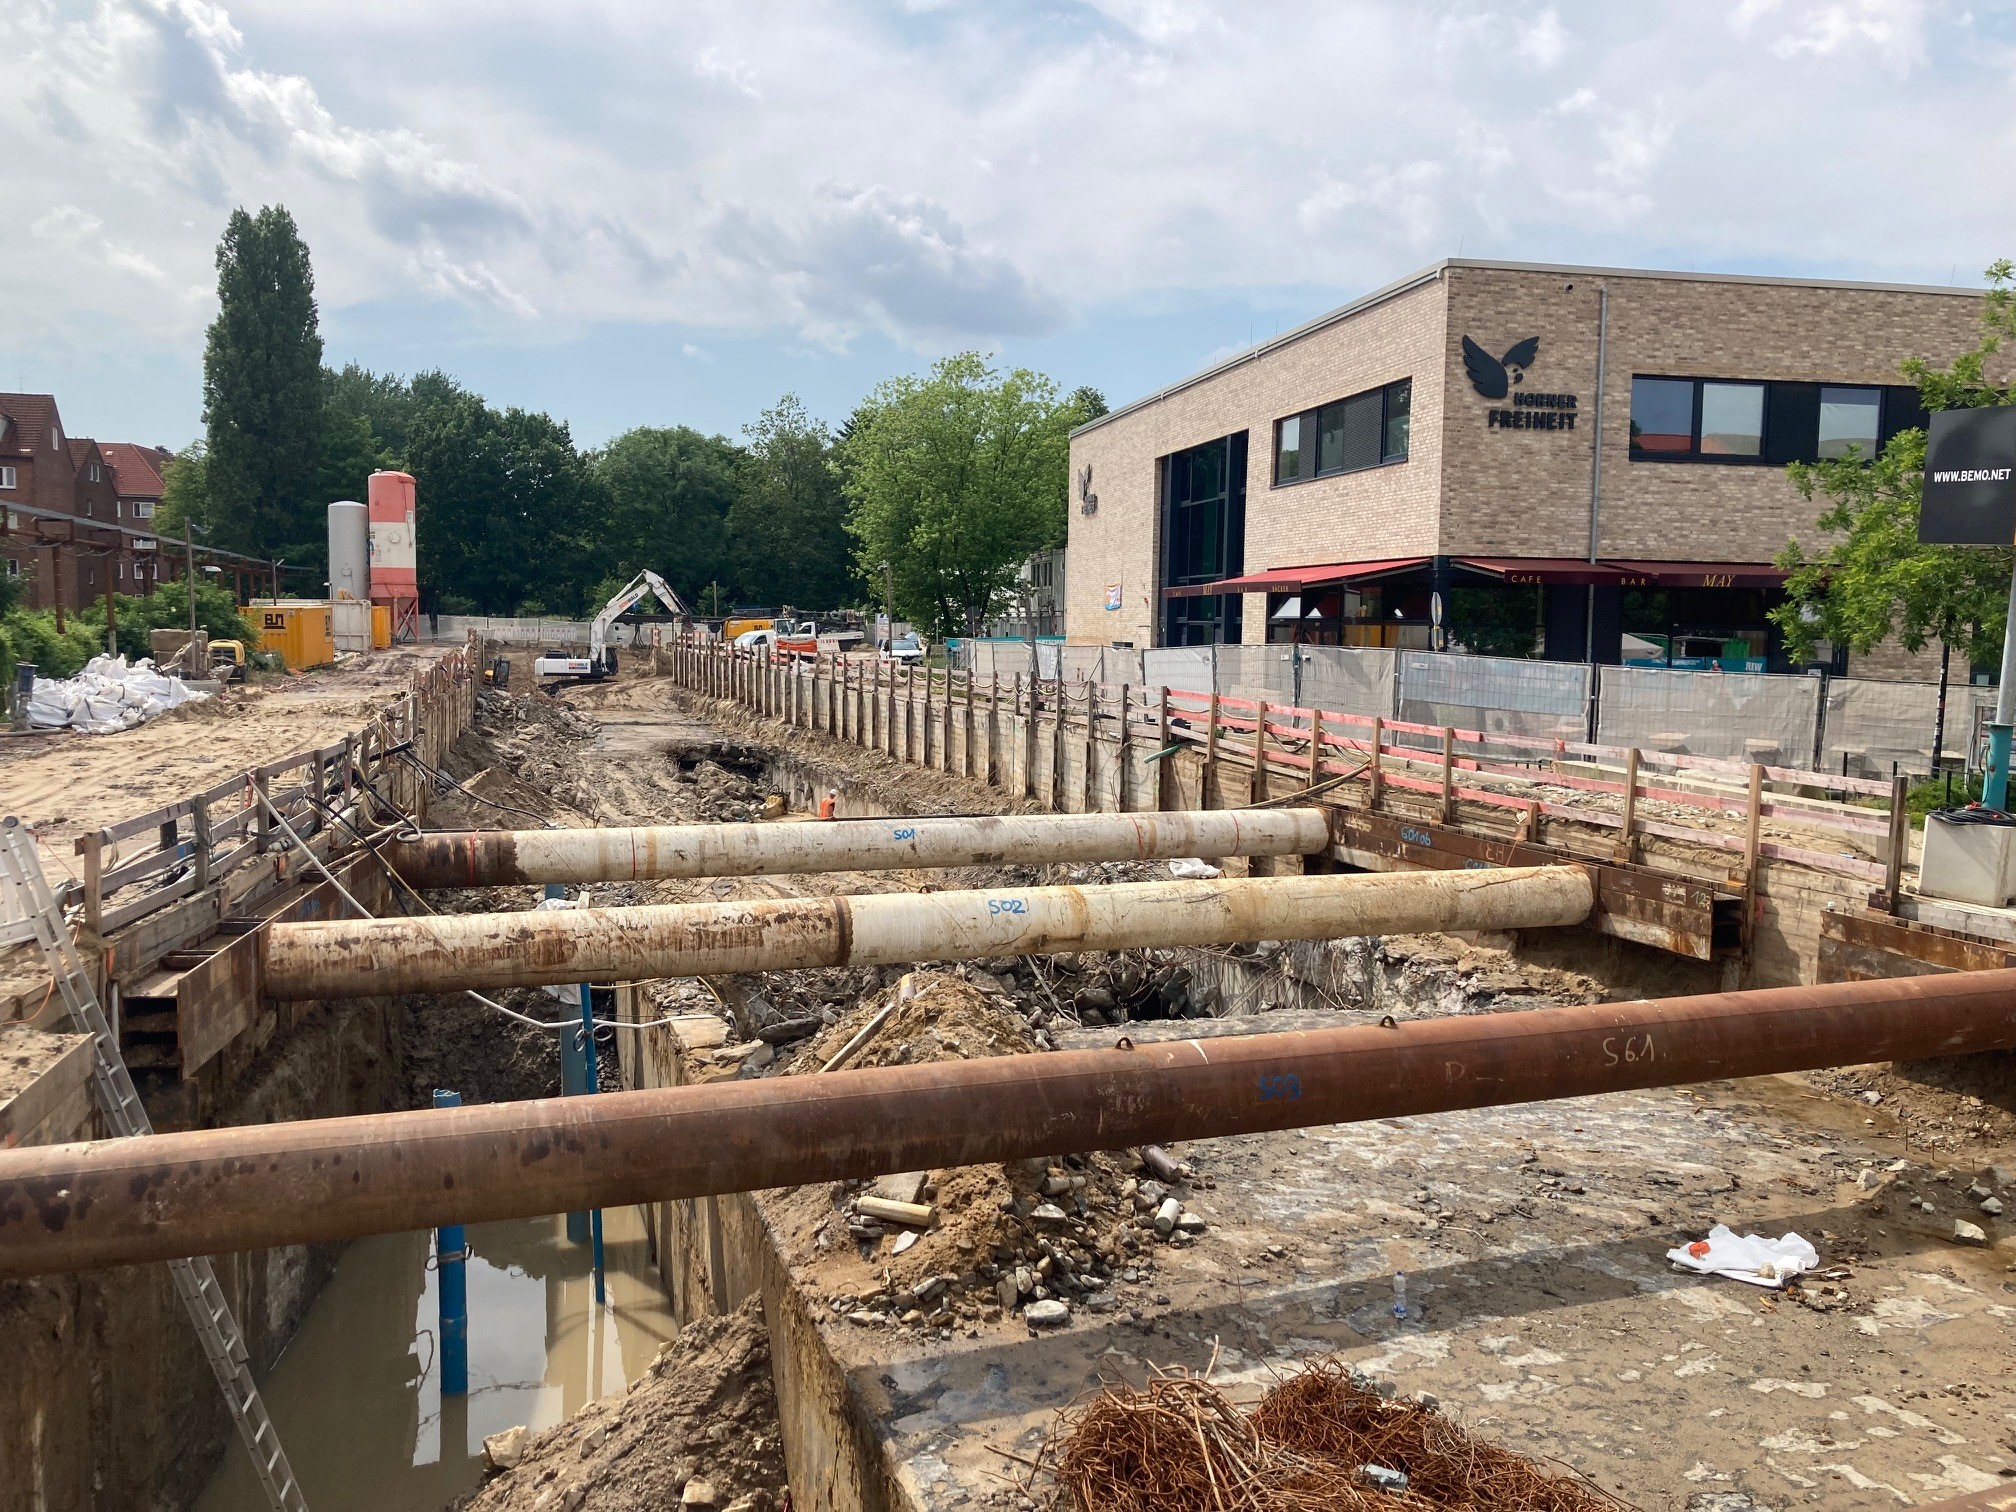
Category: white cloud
<point>737,75</point>
<point>1544,40</point>
<point>944,174</point>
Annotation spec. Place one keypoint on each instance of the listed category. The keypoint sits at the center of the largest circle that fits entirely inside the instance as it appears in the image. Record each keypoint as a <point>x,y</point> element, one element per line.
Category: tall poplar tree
<point>262,392</point>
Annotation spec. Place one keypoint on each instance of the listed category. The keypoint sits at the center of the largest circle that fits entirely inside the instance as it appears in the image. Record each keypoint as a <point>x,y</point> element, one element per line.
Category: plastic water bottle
<point>1400,1295</point>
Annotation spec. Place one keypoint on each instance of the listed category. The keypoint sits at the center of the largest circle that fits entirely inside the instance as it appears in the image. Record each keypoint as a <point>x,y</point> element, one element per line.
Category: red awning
<point>1296,579</point>
<point>1565,570</point>
<point>1705,574</point>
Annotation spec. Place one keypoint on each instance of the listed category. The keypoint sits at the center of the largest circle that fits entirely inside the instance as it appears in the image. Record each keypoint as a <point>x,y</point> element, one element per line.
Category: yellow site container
<point>381,626</point>
<point>301,630</point>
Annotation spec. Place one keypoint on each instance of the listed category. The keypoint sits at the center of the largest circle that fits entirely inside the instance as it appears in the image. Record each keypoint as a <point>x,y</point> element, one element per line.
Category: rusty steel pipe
<point>368,957</point>
<point>211,1191</point>
<point>496,858</point>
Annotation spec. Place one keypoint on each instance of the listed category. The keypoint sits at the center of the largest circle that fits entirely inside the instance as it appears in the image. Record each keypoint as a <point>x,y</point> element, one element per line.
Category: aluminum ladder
<point>29,911</point>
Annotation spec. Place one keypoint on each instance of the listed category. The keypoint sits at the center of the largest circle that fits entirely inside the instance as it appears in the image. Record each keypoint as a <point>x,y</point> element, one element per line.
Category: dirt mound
<point>1070,1231</point>
<point>945,1018</point>
<point>705,1412</point>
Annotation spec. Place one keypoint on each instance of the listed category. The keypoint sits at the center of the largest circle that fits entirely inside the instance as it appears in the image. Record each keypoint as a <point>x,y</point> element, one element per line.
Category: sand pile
<point>699,1429</point>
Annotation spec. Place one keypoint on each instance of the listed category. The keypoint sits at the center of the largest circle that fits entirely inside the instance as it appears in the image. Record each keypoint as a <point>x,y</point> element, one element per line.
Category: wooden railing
<point>1848,826</point>
<point>146,863</point>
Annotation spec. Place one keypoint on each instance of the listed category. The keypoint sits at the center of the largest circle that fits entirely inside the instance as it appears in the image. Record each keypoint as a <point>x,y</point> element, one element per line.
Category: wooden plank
<point>125,829</point>
<point>23,1116</point>
<point>139,908</point>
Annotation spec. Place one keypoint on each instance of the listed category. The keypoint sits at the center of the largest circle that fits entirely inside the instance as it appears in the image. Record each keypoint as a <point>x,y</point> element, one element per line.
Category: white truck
<point>600,662</point>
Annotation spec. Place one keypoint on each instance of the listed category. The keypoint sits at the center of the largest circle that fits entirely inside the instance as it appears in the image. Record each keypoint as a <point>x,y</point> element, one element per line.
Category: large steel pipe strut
<point>367,957</point>
<point>496,858</point>
<point>210,1191</point>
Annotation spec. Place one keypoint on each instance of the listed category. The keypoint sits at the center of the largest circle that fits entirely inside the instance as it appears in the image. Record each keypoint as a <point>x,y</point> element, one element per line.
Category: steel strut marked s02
<point>213,1191</point>
<point>370,957</point>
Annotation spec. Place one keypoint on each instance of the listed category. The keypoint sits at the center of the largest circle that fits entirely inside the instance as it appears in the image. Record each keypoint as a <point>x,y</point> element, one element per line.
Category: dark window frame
<point>1308,449</point>
<point>1773,451</point>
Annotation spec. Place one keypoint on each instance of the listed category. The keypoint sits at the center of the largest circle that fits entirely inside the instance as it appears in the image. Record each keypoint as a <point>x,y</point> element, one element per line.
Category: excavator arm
<point>601,660</point>
<point>628,598</point>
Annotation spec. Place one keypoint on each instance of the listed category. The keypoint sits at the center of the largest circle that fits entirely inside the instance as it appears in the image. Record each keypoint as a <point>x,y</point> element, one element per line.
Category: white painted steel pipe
<point>369,957</point>
<point>497,858</point>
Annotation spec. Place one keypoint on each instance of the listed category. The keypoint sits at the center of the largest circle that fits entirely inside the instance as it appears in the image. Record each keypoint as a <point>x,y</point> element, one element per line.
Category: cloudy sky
<point>630,212</point>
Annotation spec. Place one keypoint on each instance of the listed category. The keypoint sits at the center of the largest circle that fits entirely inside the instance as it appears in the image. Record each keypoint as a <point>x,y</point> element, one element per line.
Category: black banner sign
<point>1970,478</point>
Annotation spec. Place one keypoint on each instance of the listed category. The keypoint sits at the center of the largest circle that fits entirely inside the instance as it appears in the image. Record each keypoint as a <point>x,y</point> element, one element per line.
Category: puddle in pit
<point>357,1397</point>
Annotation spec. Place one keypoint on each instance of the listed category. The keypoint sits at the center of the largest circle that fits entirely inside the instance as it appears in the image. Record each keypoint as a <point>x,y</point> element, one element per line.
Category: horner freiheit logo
<point>1498,377</point>
<point>1493,377</point>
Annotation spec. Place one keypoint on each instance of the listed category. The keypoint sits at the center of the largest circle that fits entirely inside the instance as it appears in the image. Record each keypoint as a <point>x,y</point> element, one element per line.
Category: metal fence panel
<point>1871,724</point>
<point>1187,669</point>
<point>1748,716</point>
<point>1499,695</point>
<point>1348,679</point>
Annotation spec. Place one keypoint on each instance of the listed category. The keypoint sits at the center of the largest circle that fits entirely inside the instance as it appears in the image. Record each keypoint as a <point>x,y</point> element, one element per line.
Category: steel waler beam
<point>444,952</point>
<point>495,858</point>
<point>212,1191</point>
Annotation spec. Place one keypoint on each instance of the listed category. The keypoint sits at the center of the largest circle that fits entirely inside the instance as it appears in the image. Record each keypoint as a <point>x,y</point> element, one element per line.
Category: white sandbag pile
<point>107,695</point>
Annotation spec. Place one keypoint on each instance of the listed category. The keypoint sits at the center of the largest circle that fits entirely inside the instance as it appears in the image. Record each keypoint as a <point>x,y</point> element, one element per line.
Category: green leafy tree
<point>349,455</point>
<point>787,529</point>
<point>385,402</point>
<point>185,491</point>
<point>955,478</point>
<point>668,491</point>
<point>167,608</point>
<point>1874,580</point>
<point>508,508</point>
<point>1086,403</point>
<point>262,392</point>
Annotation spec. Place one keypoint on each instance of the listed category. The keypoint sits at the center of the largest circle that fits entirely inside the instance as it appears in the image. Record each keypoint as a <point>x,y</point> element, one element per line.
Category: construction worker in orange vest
<point>829,803</point>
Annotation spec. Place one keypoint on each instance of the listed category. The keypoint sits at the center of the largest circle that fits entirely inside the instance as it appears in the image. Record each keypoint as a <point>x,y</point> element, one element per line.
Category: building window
<point>13,567</point>
<point>1849,417</point>
<point>55,436</point>
<point>7,477</point>
<point>1349,435</point>
<point>143,509</point>
<point>1733,421</point>
<point>1287,450</point>
<point>1662,416</point>
<point>1399,407</point>
<point>97,473</point>
<point>1204,539</point>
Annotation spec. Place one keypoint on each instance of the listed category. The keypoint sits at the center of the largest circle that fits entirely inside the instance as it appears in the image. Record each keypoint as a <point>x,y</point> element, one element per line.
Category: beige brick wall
<point>1527,492</point>
<point>1385,511</point>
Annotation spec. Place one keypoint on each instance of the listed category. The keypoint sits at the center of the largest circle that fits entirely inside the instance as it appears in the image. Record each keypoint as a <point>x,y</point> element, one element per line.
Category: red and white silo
<point>395,576</point>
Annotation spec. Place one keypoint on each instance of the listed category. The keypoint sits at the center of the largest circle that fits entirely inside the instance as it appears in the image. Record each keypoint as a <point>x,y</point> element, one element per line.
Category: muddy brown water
<point>357,1396</point>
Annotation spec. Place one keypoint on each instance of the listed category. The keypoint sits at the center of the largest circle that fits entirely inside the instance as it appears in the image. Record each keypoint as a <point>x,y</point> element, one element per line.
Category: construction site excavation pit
<point>910,1340</point>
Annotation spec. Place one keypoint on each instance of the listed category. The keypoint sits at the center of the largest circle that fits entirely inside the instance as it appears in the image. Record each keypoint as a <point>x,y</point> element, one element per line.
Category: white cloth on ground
<point>1747,1257</point>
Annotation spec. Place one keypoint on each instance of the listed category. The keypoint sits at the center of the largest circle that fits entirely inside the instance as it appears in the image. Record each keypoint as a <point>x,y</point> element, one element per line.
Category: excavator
<point>600,662</point>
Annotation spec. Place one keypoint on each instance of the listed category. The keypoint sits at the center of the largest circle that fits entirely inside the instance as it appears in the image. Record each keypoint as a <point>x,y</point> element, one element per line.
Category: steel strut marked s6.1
<point>215,1191</point>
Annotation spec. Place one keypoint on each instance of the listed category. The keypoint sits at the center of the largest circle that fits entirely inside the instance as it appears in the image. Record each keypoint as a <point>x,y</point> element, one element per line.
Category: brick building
<point>76,509</point>
<point>1563,459</point>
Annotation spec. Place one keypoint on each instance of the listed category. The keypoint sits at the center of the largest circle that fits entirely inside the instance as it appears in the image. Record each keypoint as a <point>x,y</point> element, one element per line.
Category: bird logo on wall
<point>1088,501</point>
<point>1493,377</point>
